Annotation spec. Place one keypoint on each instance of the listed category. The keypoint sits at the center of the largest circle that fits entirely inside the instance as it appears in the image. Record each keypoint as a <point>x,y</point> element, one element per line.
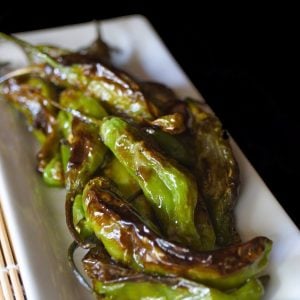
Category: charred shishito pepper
<point>119,93</point>
<point>84,150</point>
<point>129,241</point>
<point>115,281</point>
<point>31,97</point>
<point>217,171</point>
<point>170,188</point>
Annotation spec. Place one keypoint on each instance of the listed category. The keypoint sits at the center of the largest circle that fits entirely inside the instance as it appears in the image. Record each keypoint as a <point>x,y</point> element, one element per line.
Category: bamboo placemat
<point>10,280</point>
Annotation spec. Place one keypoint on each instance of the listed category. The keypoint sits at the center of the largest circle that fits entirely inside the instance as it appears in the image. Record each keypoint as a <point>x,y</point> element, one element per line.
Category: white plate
<point>35,213</point>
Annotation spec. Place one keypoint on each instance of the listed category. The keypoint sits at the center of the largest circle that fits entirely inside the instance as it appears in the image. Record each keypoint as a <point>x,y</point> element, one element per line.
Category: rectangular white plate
<point>35,213</point>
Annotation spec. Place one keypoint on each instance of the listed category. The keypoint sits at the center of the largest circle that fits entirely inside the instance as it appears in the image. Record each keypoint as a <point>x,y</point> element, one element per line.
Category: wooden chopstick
<point>11,285</point>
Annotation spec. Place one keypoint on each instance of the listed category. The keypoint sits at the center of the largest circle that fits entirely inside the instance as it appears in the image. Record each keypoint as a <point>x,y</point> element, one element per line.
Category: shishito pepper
<point>158,289</point>
<point>171,189</point>
<point>171,146</point>
<point>127,185</point>
<point>114,281</point>
<point>30,96</point>
<point>217,171</point>
<point>83,150</point>
<point>118,92</point>
<point>129,241</point>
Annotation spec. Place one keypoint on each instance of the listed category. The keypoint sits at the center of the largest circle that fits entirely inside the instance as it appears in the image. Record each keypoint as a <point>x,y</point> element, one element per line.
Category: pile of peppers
<point>151,179</point>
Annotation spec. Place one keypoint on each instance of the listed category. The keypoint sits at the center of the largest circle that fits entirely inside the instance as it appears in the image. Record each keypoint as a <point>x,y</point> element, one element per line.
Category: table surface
<point>241,62</point>
<point>11,287</point>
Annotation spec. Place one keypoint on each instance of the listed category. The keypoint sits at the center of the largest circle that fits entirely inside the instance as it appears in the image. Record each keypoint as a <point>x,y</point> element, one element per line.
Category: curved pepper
<point>172,146</point>
<point>30,97</point>
<point>129,241</point>
<point>170,188</point>
<point>126,184</point>
<point>87,153</point>
<point>114,281</point>
<point>119,93</point>
<point>218,172</point>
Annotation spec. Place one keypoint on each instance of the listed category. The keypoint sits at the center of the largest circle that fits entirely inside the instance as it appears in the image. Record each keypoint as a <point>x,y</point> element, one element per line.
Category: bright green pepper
<point>136,290</point>
<point>53,173</point>
<point>170,188</point>
<point>129,241</point>
<point>144,208</point>
<point>46,89</point>
<point>65,155</point>
<point>127,185</point>
<point>82,225</point>
<point>77,100</point>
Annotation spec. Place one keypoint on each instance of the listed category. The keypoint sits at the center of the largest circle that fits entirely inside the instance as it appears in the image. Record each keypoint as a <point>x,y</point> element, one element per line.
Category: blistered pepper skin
<point>114,281</point>
<point>157,291</point>
<point>118,92</point>
<point>171,189</point>
<point>30,97</point>
<point>129,241</point>
<point>217,172</point>
<point>126,184</point>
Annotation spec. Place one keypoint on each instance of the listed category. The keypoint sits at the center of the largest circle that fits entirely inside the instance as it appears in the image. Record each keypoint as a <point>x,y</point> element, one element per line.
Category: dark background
<point>242,60</point>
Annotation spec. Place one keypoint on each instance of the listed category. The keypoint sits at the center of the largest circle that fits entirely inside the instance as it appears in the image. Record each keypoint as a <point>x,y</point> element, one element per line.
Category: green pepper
<point>173,124</point>
<point>130,241</point>
<point>183,290</point>
<point>82,225</point>
<point>46,89</point>
<point>217,172</point>
<point>170,188</point>
<point>144,208</point>
<point>126,184</point>
<point>119,93</point>
<point>114,281</point>
<point>30,96</point>
<point>65,155</point>
<point>87,153</point>
<point>77,100</point>
<point>53,173</point>
<point>172,146</point>
<point>82,150</point>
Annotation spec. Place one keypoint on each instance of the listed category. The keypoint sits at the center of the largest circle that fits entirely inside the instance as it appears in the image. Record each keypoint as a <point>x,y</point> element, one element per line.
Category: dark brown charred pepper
<point>218,172</point>
<point>115,281</point>
<point>129,241</point>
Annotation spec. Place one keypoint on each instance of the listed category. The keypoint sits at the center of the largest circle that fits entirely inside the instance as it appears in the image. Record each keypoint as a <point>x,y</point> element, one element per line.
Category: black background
<point>243,60</point>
